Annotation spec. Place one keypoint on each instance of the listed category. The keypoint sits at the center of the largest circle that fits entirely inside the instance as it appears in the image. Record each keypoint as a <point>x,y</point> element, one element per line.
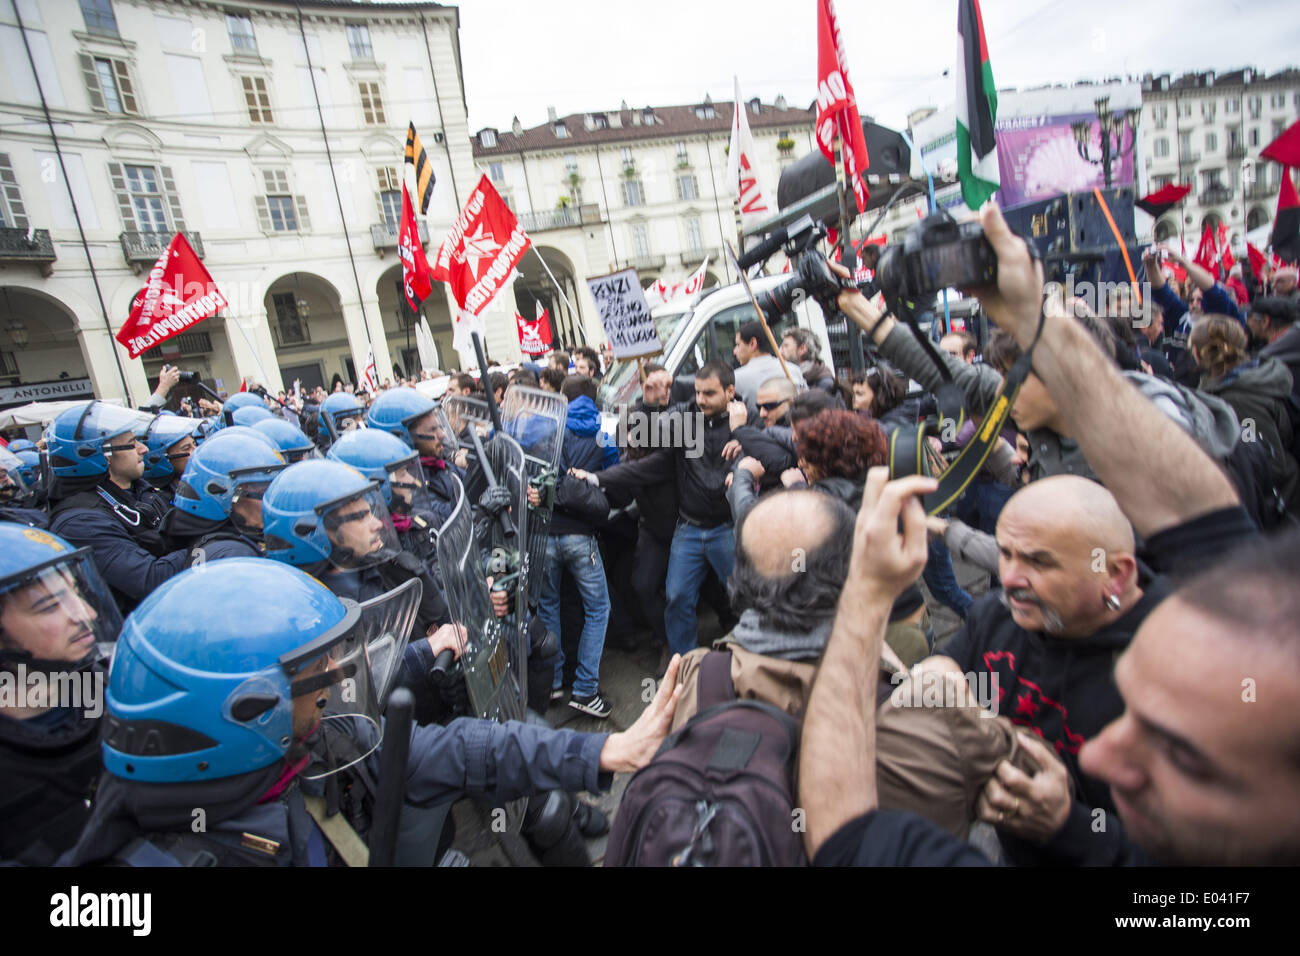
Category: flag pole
<point>776,349</point>
<point>856,359</point>
<point>558,288</point>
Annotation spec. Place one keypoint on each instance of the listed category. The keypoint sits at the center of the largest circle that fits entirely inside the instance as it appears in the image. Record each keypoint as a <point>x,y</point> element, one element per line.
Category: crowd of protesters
<point>1121,694</point>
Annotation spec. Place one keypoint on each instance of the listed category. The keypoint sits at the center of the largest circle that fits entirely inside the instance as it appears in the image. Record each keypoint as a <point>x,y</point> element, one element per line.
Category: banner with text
<point>624,314</point>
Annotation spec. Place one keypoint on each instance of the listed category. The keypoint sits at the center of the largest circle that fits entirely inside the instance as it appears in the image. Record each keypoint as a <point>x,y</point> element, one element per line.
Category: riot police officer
<point>247,716</point>
<point>56,618</point>
<point>291,440</point>
<point>339,413</point>
<point>420,423</point>
<point>218,512</point>
<point>20,488</point>
<point>169,442</point>
<point>99,500</point>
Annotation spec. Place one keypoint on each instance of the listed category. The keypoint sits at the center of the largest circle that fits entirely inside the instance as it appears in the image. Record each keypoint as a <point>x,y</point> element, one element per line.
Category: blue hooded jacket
<point>586,448</point>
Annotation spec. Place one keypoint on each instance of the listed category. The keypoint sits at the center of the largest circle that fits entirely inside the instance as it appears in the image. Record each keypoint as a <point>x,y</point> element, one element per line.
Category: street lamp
<point>18,332</point>
<point>1114,128</point>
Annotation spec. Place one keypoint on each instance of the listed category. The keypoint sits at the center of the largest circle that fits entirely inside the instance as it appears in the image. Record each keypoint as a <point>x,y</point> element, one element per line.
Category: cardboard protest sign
<point>624,314</point>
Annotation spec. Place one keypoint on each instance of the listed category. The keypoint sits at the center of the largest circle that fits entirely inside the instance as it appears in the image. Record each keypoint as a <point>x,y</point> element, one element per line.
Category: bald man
<point>1073,595</point>
<point>773,400</point>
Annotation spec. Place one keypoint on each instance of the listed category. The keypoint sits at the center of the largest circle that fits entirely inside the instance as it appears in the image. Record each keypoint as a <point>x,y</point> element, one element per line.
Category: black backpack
<point>720,791</point>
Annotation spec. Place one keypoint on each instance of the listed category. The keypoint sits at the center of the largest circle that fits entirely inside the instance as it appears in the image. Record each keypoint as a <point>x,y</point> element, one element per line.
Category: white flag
<point>369,377</point>
<point>426,345</point>
<point>742,171</point>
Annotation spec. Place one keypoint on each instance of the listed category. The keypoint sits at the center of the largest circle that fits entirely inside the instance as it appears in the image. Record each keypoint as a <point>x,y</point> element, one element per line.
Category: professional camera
<point>937,253</point>
<point>812,278</point>
<point>191,378</point>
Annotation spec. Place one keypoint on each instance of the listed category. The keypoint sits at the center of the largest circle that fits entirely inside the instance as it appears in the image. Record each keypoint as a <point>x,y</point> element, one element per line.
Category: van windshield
<point>621,384</point>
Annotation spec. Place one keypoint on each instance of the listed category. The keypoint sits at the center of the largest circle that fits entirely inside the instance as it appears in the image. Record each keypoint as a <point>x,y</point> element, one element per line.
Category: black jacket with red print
<point>1061,688</point>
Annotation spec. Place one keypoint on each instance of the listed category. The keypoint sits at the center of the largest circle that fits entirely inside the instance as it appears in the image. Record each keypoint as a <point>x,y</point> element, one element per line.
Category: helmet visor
<point>248,486</point>
<point>11,481</point>
<point>360,530</point>
<point>58,611</point>
<point>434,428</point>
<point>408,492</point>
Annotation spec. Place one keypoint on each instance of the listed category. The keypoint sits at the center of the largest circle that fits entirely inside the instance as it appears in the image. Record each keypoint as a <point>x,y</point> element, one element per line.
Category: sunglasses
<point>772,406</point>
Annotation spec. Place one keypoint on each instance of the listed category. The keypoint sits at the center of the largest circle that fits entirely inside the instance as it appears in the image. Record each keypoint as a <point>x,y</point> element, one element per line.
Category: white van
<point>695,332</point>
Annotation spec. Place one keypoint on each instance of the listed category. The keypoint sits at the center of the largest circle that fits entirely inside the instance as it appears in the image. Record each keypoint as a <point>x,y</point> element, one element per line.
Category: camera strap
<point>954,479</point>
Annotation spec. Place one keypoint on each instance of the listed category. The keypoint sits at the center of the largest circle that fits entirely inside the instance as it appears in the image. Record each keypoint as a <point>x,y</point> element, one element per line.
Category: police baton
<point>392,777</point>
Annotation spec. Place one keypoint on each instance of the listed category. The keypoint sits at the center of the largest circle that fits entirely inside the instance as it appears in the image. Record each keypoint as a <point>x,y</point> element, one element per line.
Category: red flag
<point>1226,258</point>
<point>1286,148</point>
<point>417,282</point>
<point>243,384</point>
<point>180,293</point>
<point>1257,260</point>
<point>837,106</point>
<point>534,334</point>
<point>369,375</point>
<point>481,250</point>
<point>1207,253</point>
<point>1286,224</point>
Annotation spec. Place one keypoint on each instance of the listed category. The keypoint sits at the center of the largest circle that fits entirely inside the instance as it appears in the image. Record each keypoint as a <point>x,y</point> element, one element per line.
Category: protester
<point>800,347</point>
<point>758,362</point>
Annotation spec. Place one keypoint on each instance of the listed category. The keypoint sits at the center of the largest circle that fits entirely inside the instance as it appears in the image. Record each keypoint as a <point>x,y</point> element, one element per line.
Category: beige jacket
<point>931,760</point>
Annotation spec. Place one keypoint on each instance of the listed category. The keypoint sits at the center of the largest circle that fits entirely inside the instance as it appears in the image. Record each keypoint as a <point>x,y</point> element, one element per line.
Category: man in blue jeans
<point>691,440</point>
<point>572,545</point>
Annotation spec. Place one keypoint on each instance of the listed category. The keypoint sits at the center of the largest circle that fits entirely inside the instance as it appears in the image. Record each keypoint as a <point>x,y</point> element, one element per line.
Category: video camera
<point>812,278</point>
<point>937,253</point>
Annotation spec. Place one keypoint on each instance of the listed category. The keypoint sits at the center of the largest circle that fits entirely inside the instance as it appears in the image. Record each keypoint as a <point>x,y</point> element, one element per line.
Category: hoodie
<point>1208,419</point>
<point>1286,349</point>
<point>585,447</point>
<point>1260,392</point>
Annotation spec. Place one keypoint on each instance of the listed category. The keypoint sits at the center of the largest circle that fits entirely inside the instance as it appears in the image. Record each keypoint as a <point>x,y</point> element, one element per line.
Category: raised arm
<point>1124,437</point>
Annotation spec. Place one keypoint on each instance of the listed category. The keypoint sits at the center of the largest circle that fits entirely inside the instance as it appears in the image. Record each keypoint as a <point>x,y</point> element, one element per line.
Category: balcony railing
<point>384,235</point>
<point>144,248</point>
<point>20,245</point>
<point>1261,190</point>
<point>1188,157</point>
<point>1215,194</point>
<point>193,343</point>
<point>647,262</point>
<point>565,218</point>
<point>1236,151</point>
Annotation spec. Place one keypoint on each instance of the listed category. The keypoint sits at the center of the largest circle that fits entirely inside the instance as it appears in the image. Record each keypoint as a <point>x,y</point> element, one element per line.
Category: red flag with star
<point>481,250</point>
<point>180,293</point>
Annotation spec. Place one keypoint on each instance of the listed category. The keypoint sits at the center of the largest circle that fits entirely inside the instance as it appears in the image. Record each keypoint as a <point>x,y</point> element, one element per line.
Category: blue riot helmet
<point>54,607</point>
<point>237,401</point>
<point>244,684</point>
<point>415,419</point>
<point>390,461</point>
<point>226,478</point>
<point>14,483</point>
<point>30,468</point>
<point>79,436</point>
<point>291,440</point>
<point>341,412</point>
<point>168,440</point>
<point>319,513</point>
<point>22,444</point>
<point>250,415</point>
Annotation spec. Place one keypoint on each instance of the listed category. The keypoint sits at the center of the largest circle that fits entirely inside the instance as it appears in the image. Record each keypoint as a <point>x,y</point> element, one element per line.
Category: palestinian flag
<point>1286,225</point>
<point>977,108</point>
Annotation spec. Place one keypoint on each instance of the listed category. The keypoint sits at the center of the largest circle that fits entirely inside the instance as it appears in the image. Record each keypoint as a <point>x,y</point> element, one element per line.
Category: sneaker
<point>557,694</point>
<point>593,706</point>
<point>591,822</point>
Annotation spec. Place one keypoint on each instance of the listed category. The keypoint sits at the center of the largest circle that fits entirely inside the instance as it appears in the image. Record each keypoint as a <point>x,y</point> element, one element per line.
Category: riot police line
<point>248,600</point>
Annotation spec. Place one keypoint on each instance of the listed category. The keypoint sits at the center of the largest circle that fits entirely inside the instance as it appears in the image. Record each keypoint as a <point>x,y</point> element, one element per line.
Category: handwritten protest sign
<point>624,314</point>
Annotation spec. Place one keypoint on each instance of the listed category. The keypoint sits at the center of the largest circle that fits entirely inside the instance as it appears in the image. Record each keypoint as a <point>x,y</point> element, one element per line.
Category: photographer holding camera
<point>1195,776</point>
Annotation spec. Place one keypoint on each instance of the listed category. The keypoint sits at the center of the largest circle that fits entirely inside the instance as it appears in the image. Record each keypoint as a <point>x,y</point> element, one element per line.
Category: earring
<point>1112,601</point>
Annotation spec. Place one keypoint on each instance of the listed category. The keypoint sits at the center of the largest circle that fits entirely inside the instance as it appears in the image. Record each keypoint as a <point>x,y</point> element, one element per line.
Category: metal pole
<point>856,357</point>
<point>560,289</point>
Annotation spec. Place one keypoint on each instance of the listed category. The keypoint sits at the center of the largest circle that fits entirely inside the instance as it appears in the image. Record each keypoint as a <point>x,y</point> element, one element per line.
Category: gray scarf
<point>753,636</point>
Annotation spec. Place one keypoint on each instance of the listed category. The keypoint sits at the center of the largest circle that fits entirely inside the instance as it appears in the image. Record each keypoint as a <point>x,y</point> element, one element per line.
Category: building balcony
<point>645,263</point>
<point>384,235</point>
<point>143,248</point>
<point>1215,194</point>
<point>192,343</point>
<point>1236,151</point>
<point>1188,158</point>
<point>566,217</point>
<point>1261,190</point>
<point>19,245</point>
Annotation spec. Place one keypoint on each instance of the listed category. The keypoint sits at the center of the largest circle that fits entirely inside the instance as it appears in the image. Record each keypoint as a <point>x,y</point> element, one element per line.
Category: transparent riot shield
<point>535,419</point>
<point>387,621</point>
<point>495,671</point>
<point>462,414</point>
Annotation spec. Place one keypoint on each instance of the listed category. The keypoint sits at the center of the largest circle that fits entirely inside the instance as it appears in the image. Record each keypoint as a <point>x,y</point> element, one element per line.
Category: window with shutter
<point>124,88</point>
<point>389,196</point>
<point>173,198</point>
<point>12,213</point>
<point>263,214</point>
<point>304,224</point>
<point>257,98</point>
<point>147,208</point>
<point>118,178</point>
<point>372,107</point>
<point>90,74</point>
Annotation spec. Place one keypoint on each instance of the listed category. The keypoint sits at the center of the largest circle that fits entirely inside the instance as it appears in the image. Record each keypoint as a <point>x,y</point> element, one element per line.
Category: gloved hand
<point>496,500</point>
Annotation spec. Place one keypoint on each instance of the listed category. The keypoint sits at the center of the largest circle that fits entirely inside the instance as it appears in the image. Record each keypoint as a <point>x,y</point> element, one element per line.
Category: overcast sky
<point>521,56</point>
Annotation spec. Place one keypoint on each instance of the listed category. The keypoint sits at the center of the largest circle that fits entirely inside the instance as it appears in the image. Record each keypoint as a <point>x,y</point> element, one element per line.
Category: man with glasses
<point>100,500</point>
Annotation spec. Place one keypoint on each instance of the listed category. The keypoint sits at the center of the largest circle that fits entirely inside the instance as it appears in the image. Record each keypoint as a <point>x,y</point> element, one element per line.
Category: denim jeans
<point>940,578</point>
<point>578,553</point>
<point>693,551</point>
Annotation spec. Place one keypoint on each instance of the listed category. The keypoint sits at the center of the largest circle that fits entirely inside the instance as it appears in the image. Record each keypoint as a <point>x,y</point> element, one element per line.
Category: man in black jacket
<point>571,544</point>
<point>1272,320</point>
<point>692,438</point>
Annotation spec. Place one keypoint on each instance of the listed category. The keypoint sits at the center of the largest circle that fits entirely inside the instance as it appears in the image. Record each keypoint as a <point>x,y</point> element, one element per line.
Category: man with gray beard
<point>1072,597</point>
